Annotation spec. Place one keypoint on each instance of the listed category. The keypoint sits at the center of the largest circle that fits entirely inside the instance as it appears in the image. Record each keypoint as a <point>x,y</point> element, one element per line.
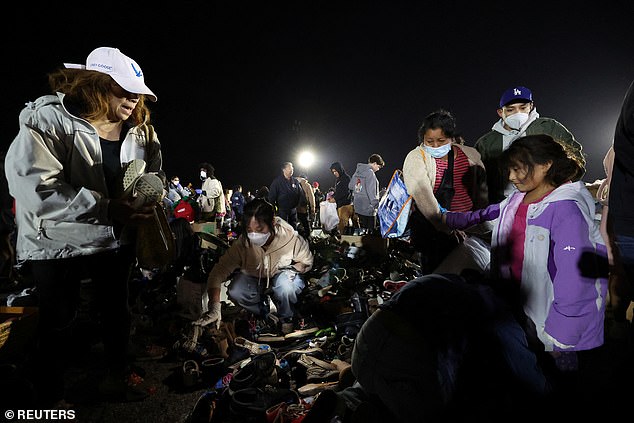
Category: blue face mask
<point>437,152</point>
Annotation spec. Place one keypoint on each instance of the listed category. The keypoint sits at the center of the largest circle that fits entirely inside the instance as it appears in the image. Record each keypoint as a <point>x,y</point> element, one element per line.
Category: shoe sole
<point>148,189</point>
<point>301,333</point>
<point>133,171</point>
<point>314,388</point>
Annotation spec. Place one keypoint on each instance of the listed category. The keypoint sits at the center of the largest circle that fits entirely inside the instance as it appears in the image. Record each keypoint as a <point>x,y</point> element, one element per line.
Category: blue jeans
<point>626,252</point>
<point>248,293</point>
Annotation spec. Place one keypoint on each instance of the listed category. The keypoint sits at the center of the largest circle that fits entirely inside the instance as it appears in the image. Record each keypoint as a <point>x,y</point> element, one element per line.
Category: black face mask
<point>445,192</point>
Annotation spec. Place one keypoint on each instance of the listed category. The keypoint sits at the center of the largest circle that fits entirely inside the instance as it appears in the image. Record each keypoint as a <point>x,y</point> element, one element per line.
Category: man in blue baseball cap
<point>518,117</point>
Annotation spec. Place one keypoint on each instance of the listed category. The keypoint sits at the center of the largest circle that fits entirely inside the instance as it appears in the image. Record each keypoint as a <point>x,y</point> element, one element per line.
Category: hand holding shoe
<point>211,316</point>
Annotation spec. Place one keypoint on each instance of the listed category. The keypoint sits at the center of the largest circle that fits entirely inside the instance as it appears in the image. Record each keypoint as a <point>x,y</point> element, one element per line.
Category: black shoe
<point>253,402</point>
<point>257,373</point>
<point>327,405</point>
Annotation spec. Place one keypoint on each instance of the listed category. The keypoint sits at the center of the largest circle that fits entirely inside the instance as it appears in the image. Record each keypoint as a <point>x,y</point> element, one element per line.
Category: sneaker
<point>315,388</point>
<point>254,402</point>
<point>303,333</point>
<point>293,355</point>
<point>318,370</point>
<point>147,190</point>
<point>394,286</point>
<point>252,347</point>
<point>133,170</point>
<point>257,373</point>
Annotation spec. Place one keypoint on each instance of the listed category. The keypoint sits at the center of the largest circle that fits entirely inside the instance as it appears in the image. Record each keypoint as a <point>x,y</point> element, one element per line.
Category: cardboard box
<point>205,227</point>
<point>18,326</point>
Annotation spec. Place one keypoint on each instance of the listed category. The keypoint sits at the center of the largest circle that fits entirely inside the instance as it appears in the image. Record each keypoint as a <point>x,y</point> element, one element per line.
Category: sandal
<point>252,347</point>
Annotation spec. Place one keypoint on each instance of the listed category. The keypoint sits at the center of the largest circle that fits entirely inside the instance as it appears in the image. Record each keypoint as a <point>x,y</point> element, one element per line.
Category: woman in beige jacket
<point>271,257</point>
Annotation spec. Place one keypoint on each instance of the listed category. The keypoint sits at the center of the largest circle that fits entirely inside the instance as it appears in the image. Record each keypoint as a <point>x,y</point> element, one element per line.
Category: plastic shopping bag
<point>328,215</point>
<point>394,208</point>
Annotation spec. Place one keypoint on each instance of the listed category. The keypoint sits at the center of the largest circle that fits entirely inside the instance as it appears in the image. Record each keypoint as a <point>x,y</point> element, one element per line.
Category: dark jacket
<point>285,193</point>
<point>343,194</point>
<point>621,195</point>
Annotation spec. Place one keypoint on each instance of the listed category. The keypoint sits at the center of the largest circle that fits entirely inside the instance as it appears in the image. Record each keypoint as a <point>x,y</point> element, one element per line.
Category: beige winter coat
<point>286,249</point>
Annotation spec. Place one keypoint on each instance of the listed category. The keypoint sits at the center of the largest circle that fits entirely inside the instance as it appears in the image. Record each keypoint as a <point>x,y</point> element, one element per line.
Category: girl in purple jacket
<point>547,244</point>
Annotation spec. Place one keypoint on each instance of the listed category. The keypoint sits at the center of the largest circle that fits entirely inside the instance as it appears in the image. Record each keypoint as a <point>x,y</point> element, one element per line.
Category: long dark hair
<point>263,213</point>
<point>540,149</point>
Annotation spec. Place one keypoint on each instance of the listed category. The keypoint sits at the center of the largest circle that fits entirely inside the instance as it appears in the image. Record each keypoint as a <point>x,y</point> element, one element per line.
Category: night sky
<point>246,87</point>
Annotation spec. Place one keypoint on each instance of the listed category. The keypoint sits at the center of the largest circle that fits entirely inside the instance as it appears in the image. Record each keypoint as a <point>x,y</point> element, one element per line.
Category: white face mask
<point>437,152</point>
<point>203,175</point>
<point>516,120</point>
<point>258,239</point>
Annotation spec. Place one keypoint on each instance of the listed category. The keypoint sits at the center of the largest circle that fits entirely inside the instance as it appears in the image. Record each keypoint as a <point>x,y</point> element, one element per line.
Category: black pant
<point>58,284</point>
<point>432,244</point>
<point>367,222</point>
<point>304,230</point>
<point>289,215</point>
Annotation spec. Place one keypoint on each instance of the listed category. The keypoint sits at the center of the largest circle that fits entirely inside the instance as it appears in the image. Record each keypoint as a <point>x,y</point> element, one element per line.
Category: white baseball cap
<point>125,71</point>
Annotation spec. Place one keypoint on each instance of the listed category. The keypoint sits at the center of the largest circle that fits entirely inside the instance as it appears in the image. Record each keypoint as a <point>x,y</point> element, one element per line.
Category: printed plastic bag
<point>394,208</point>
<point>328,215</point>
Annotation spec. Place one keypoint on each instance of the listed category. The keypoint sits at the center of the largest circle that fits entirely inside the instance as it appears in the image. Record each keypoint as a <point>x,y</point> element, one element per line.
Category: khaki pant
<point>346,213</point>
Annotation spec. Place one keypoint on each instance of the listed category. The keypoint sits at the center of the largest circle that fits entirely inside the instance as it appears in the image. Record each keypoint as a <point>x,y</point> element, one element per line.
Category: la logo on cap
<point>517,91</point>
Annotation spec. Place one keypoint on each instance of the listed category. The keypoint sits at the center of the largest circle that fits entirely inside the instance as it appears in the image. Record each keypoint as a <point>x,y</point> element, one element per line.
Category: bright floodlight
<point>306,159</point>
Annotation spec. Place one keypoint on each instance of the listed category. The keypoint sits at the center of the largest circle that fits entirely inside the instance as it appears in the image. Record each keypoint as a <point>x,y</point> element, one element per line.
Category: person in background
<point>343,197</point>
<point>306,207</point>
<point>319,197</point>
<point>249,196</point>
<point>365,191</point>
<point>262,192</point>
<point>175,191</point>
<point>237,203</point>
<point>621,194</point>
<point>546,255</point>
<point>270,257</point>
<point>285,193</point>
<point>211,198</point>
<point>518,117</point>
<point>74,219</point>
<point>7,231</point>
<point>443,171</point>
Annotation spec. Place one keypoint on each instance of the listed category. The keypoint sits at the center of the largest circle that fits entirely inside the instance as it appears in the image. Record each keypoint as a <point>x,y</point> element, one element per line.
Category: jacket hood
<point>363,168</point>
<point>338,167</point>
<point>577,192</point>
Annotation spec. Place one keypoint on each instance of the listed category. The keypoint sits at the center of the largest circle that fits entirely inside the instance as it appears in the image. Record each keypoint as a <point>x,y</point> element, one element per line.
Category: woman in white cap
<point>66,169</point>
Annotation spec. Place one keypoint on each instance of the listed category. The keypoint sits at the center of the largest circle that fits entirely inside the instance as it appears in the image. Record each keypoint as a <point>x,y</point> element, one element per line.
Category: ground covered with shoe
<point>247,368</point>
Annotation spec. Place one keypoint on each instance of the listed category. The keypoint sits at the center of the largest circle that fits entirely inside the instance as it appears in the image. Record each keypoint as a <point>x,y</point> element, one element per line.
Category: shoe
<point>293,355</point>
<point>301,333</point>
<point>147,190</point>
<point>318,370</point>
<point>326,407</point>
<point>315,388</point>
<point>203,411</point>
<point>287,328</point>
<point>252,347</point>
<point>133,170</point>
<point>257,373</point>
<point>191,373</point>
<point>254,402</point>
<point>120,388</point>
<point>394,286</point>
